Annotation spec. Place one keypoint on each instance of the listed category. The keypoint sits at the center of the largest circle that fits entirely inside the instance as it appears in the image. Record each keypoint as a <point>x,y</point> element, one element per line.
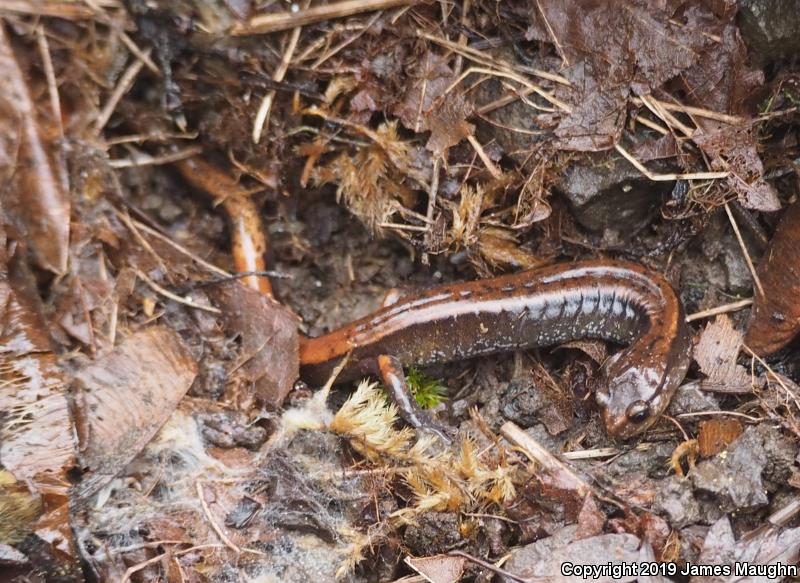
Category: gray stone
<point>770,28</point>
<point>610,196</point>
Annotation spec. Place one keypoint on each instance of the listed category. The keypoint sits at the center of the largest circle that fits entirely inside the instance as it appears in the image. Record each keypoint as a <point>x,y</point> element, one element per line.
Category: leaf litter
<point>141,436</point>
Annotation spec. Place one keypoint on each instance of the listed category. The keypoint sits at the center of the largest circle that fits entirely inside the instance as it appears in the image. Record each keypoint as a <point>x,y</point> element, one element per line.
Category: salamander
<point>604,299</point>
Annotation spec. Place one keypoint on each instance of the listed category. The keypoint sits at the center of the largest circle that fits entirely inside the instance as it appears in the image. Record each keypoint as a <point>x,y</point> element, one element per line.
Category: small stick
<point>493,170</point>
<point>143,56</point>
<point>667,117</point>
<point>479,57</point>
<point>668,177</point>
<point>652,125</point>
<point>514,77</point>
<point>50,75</point>
<point>345,43</point>
<point>207,511</point>
<point>714,413</point>
<point>503,101</point>
<point>265,23</point>
<point>124,84</point>
<point>135,226</point>
<point>401,227</point>
<point>148,160</point>
<point>749,261</point>
<point>174,297</point>
<point>262,117</point>
<point>695,111</point>
<point>551,32</point>
<point>551,464</point>
<point>724,309</point>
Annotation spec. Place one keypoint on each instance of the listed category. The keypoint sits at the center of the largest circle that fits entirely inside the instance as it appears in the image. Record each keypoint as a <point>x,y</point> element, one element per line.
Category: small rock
<point>769,28</point>
<point>434,532</point>
<point>676,500</point>
<point>549,557</point>
<point>610,196</point>
<point>689,398</point>
<point>734,477</point>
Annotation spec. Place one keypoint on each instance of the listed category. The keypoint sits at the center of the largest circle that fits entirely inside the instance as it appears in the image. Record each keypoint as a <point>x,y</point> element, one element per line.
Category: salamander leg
<point>391,371</point>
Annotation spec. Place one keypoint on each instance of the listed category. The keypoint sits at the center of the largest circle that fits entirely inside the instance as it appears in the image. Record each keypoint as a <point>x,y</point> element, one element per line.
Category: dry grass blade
<point>670,176</point>
<point>266,23</point>
<point>724,309</point>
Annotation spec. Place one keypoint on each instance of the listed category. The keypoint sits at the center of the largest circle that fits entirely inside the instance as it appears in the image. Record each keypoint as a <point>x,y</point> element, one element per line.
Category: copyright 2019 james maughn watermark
<point>652,569</point>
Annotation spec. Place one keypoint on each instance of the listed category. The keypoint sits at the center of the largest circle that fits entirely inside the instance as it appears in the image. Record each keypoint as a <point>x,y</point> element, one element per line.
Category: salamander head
<point>634,391</point>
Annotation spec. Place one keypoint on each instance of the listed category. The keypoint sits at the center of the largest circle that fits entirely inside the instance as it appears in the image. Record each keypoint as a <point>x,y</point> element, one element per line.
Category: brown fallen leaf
<point>123,399</point>
<point>591,519</point>
<point>35,431</point>
<point>775,316</point>
<point>438,568</point>
<point>426,107</point>
<point>735,150</point>
<point>715,435</point>
<point>34,176</point>
<point>721,81</point>
<point>613,51</point>
<point>269,353</point>
<point>716,353</point>
<point>36,435</point>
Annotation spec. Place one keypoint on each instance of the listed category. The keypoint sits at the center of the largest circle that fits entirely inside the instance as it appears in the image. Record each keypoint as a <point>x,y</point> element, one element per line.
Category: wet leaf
<point>35,432</point>
<point>123,399</point>
<point>268,332</point>
<point>438,568</point>
<point>35,186</point>
<point>775,316</point>
<point>716,353</point>
<point>715,435</point>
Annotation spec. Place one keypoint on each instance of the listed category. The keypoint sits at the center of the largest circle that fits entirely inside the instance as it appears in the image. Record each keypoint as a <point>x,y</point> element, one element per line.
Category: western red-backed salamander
<point>610,300</point>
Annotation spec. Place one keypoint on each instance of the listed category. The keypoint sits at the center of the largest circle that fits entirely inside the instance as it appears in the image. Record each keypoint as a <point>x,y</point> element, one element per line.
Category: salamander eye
<point>638,411</point>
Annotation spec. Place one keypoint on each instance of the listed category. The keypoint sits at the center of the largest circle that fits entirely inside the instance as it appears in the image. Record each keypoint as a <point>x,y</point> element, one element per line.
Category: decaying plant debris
<point>150,425</point>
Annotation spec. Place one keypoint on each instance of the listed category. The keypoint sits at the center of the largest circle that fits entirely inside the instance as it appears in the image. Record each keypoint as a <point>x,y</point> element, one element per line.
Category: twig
<point>694,111</point>
<point>724,309</point>
<point>715,413</point>
<point>462,37</point>
<point>141,159</point>
<point>264,23</point>
<point>555,467</point>
<point>175,297</point>
<point>348,41</point>
<point>773,374</point>
<point>503,101</point>
<point>65,10</point>
<point>139,566</point>
<point>125,218</point>
<point>124,84</point>
<point>135,226</point>
<point>262,117</point>
<point>50,75</point>
<point>493,170</point>
<point>661,112</point>
<point>652,125</point>
<point>497,570</point>
<point>514,77</point>
<point>551,32</point>
<point>479,57</point>
<point>207,511</point>
<point>143,56</point>
<point>668,177</point>
<point>749,261</point>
